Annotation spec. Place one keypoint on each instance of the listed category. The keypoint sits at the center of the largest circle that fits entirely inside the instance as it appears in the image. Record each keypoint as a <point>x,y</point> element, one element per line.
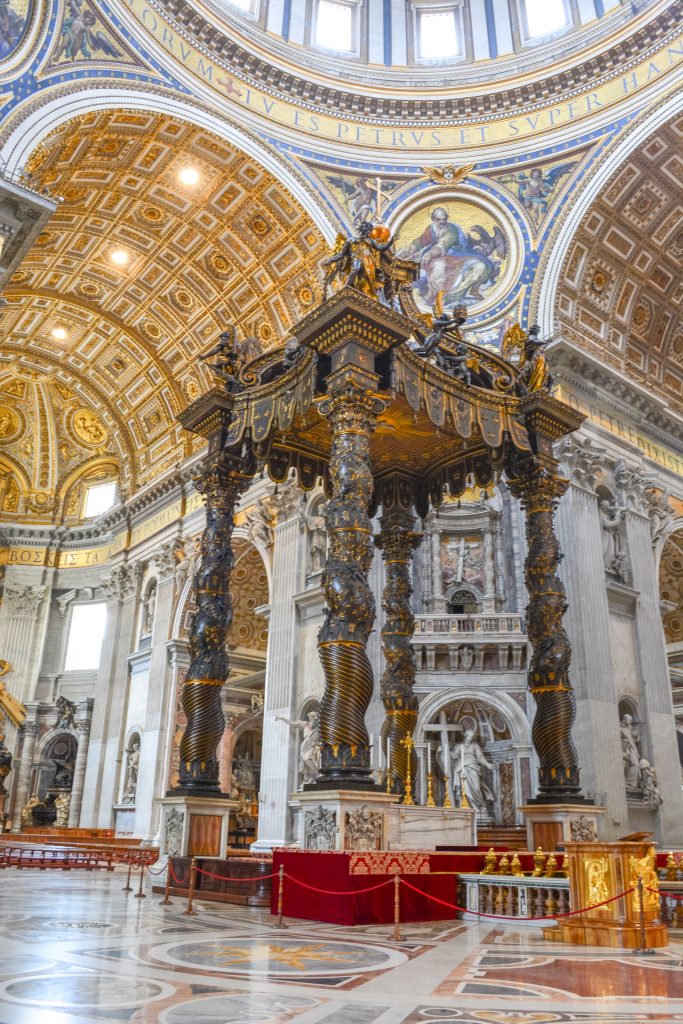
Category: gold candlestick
<point>464,802</point>
<point>430,794</point>
<point>409,744</point>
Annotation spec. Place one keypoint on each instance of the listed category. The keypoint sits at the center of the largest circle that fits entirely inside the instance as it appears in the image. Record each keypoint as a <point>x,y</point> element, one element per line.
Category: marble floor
<point>76,949</point>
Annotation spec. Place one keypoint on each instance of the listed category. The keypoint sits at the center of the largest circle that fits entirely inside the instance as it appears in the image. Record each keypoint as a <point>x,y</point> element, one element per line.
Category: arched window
<point>544,17</point>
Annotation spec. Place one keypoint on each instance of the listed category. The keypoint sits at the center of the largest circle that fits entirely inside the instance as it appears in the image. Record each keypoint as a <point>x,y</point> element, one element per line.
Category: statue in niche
<point>132,765</point>
<point>320,829</point>
<point>613,557</point>
<point>363,830</point>
<point>148,612</point>
<point>64,773</point>
<point>309,751</point>
<point>468,762</point>
<point>648,784</point>
<point>242,778</point>
<point>317,541</point>
<point>466,658</point>
<point>630,751</point>
<point>66,714</point>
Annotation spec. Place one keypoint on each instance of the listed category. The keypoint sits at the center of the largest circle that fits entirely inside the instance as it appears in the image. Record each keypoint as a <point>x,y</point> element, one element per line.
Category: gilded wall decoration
<point>87,428</point>
<point>12,424</point>
<point>598,884</point>
<point>467,253</point>
<point>671,587</point>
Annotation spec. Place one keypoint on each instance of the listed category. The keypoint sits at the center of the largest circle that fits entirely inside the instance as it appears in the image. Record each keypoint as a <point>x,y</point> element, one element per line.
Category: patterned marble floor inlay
<point>87,953</point>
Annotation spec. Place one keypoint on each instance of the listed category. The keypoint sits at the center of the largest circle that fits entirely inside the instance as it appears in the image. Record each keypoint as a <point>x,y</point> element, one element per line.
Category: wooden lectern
<point>599,871</point>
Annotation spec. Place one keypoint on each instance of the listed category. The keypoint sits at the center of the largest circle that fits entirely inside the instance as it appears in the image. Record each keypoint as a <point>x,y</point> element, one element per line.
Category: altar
<point>339,889</point>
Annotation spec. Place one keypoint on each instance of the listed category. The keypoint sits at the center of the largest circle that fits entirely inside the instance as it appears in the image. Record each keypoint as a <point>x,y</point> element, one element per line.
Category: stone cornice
<point>324,97</point>
<point>611,389</point>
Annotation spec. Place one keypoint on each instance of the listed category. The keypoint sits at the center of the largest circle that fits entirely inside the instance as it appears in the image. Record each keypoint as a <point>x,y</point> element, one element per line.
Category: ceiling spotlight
<point>189,175</point>
<point>58,333</point>
<point>120,257</point>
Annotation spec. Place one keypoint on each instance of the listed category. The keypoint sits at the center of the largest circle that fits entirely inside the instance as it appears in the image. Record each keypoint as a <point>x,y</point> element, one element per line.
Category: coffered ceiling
<point>622,287</point>
<point>234,248</point>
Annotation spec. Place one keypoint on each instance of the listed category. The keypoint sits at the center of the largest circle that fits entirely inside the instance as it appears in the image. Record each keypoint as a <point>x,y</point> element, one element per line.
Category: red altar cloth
<point>329,871</point>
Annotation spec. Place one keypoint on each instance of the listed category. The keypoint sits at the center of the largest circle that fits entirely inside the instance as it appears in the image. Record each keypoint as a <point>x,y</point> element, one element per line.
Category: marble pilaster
<point>153,751</point>
<point>657,704</point>
<point>30,732</point>
<point>79,771</point>
<point>278,760</point>
<point>102,769</point>
<point>596,730</point>
<point>23,624</point>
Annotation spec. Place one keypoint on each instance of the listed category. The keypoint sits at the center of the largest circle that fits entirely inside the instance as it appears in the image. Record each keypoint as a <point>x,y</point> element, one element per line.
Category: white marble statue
<point>610,522</point>
<point>132,765</point>
<point>309,751</point>
<point>317,541</point>
<point>468,762</point>
<point>630,751</point>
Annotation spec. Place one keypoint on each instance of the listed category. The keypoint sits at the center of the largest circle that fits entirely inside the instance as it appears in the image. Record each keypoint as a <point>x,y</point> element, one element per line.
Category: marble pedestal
<point>194,826</point>
<point>124,819</point>
<point>329,820</point>
<point>552,825</point>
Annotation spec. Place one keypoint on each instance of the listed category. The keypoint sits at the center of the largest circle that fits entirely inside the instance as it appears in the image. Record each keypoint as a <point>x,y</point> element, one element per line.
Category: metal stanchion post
<point>190,894</point>
<point>167,888</point>
<point>397,908</point>
<point>280,894</point>
<point>128,887</point>
<point>642,949</point>
<point>140,895</point>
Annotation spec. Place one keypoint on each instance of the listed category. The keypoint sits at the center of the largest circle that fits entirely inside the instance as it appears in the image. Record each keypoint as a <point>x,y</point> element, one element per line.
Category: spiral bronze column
<point>223,478</point>
<point>352,412</point>
<point>551,651</point>
<point>397,541</point>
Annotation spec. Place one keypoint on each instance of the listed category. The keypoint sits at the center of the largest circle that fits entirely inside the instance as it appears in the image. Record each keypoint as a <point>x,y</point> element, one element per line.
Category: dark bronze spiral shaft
<point>350,606</point>
<point>551,651</point>
<point>221,482</point>
<point>397,541</point>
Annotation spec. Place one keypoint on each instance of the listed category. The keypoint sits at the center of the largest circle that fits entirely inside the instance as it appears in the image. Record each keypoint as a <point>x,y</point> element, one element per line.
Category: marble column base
<point>194,826</point>
<point>550,825</point>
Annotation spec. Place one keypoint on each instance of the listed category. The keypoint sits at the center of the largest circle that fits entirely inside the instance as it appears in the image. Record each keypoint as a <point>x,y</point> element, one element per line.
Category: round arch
<point>47,113</point>
<point>557,245</point>
<point>520,726</point>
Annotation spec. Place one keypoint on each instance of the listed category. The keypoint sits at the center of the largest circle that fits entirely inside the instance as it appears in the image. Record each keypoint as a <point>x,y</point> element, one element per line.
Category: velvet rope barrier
<point>225,878</point>
<point>664,892</point>
<point>505,917</point>
<point>332,892</point>
<point>159,872</point>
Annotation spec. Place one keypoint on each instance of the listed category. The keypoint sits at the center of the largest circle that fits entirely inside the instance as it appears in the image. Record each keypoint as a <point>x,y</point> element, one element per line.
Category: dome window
<point>99,499</point>
<point>336,26</point>
<point>437,31</point>
<point>544,17</point>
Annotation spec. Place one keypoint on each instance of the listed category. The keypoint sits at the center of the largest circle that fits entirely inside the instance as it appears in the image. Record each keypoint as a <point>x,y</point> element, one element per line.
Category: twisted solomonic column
<point>350,614</point>
<point>551,651</point>
<point>223,478</point>
<point>397,541</point>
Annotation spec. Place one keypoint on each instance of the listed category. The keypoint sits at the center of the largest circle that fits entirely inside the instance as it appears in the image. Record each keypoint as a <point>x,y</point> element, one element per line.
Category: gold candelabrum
<point>409,744</point>
<point>431,802</point>
<point>464,802</point>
